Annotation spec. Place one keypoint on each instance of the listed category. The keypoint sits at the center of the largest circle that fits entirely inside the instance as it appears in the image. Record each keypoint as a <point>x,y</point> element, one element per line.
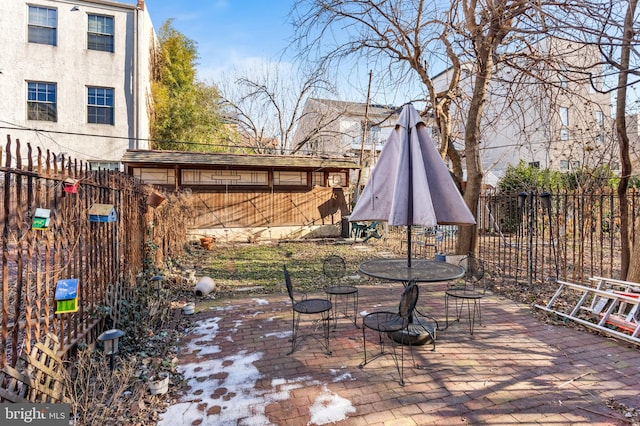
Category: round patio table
<point>420,271</point>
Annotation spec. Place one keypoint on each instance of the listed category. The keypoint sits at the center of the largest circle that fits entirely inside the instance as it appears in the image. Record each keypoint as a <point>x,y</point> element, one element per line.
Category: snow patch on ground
<point>329,407</point>
<point>223,391</point>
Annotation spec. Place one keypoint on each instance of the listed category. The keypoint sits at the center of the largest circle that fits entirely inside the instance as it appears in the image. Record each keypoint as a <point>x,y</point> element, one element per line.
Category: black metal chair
<point>301,305</point>
<point>334,269</point>
<point>386,322</point>
<point>468,291</point>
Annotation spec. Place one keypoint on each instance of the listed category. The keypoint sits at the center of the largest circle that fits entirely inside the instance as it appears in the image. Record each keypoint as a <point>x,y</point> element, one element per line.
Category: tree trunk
<point>623,141</point>
<point>468,235</point>
<point>633,273</point>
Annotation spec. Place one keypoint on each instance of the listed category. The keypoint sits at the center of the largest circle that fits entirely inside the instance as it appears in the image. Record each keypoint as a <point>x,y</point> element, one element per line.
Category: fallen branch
<point>612,416</point>
<point>575,378</point>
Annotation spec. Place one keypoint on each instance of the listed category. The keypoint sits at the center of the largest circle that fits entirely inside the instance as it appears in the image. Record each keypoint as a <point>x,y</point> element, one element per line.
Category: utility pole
<point>356,192</point>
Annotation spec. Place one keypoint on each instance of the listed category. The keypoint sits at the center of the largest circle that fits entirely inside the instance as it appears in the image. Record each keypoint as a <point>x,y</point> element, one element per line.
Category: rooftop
<point>182,158</point>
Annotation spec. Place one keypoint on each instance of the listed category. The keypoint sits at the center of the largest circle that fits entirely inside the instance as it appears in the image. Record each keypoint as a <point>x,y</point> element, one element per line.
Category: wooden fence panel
<point>317,206</point>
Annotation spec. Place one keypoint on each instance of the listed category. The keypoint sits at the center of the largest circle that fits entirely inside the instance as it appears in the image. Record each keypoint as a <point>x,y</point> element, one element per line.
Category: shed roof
<point>135,157</point>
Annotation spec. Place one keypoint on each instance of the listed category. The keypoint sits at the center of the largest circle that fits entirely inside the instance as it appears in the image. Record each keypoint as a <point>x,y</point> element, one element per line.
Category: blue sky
<point>229,33</point>
<point>234,36</point>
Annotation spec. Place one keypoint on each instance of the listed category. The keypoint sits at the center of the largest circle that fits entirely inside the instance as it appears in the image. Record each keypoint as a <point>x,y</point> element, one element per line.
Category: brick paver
<point>515,370</point>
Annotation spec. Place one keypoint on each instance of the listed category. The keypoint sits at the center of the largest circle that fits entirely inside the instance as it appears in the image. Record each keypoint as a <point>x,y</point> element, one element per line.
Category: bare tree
<point>266,104</point>
<point>409,36</point>
<point>402,38</point>
<point>533,83</point>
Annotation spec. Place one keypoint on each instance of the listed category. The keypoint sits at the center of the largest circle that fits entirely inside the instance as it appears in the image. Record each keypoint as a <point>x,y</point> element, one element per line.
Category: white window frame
<point>43,25</point>
<point>564,116</point>
<point>599,116</point>
<point>102,37</point>
<point>98,105</point>
<point>42,104</point>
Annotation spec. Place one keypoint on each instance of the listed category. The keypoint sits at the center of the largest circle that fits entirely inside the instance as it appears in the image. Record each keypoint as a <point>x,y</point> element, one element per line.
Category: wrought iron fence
<point>568,235</point>
<point>531,237</point>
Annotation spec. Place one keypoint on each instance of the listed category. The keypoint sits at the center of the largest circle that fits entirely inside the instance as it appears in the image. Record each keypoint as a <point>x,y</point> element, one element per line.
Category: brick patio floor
<point>515,370</point>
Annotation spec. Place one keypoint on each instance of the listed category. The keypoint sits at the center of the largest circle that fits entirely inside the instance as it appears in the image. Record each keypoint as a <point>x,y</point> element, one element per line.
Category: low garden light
<point>110,341</point>
<point>158,280</point>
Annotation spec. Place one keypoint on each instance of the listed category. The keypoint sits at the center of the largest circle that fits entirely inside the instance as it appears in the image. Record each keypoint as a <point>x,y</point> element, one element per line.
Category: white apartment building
<point>75,77</point>
<point>563,125</point>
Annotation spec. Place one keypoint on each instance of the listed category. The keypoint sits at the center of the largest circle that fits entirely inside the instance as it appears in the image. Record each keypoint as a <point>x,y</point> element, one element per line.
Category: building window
<point>106,165</point>
<point>337,179</point>
<point>564,116</point>
<point>599,118</point>
<point>564,134</point>
<point>562,78</point>
<point>564,164</point>
<point>43,24</point>
<point>100,34</point>
<point>100,105</point>
<point>217,177</point>
<point>534,164</point>
<point>41,101</point>
<point>575,165</point>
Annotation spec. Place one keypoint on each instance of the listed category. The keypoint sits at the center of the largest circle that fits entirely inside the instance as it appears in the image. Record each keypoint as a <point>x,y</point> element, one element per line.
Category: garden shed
<point>241,197</point>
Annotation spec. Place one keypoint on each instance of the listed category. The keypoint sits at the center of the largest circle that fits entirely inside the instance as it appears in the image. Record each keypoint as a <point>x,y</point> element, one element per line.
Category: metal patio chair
<point>468,291</point>
<point>386,322</point>
<point>334,269</point>
<point>301,305</point>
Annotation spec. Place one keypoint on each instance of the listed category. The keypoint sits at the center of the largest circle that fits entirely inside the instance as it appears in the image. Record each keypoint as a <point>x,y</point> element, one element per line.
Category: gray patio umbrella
<point>410,184</point>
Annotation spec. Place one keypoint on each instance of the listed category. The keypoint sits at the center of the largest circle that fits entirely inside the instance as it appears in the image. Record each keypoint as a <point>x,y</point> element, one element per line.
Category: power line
<point>12,126</point>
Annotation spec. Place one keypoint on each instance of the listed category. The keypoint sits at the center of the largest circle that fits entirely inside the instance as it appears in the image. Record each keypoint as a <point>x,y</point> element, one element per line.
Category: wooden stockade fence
<point>106,257</point>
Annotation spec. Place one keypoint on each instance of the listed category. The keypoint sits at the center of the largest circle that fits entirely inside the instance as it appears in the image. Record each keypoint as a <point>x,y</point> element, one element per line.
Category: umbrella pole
<point>409,246</point>
<point>410,198</point>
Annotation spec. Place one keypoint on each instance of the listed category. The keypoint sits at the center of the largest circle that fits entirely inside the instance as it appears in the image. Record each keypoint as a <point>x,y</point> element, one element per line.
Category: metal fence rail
<point>533,237</point>
<point>569,236</point>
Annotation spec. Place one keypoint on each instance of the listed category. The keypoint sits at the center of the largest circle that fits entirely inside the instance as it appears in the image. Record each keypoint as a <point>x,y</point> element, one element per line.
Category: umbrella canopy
<point>410,184</point>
